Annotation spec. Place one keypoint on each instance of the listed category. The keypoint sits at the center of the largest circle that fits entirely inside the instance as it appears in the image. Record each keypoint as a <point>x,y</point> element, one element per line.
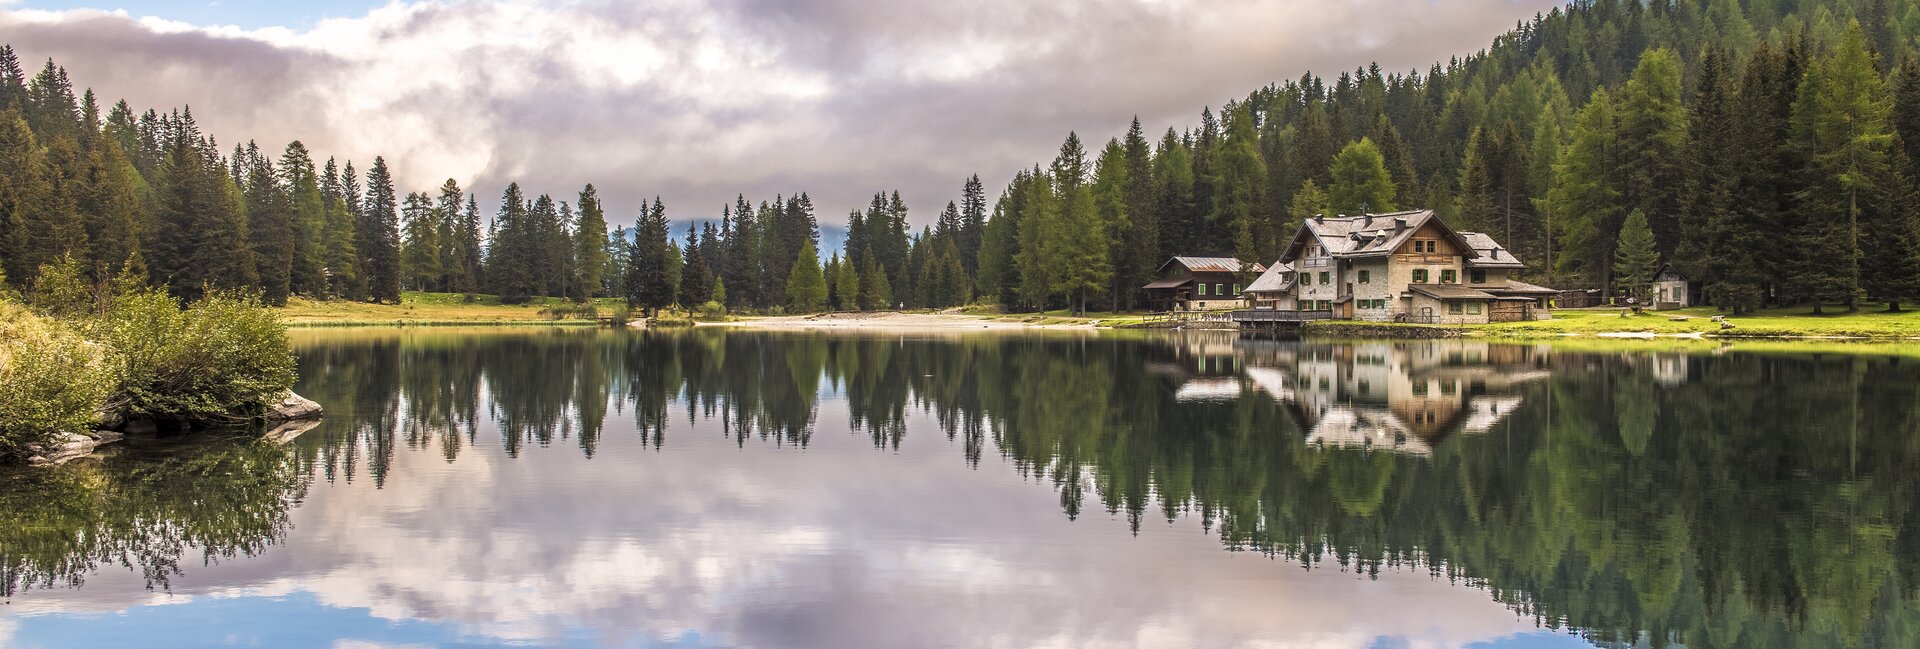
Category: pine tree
<point>1239,191</point>
<point>1135,265</point>
<point>342,255</point>
<point>379,235</point>
<point>509,258</point>
<point>270,227</point>
<point>1586,197</point>
<point>1653,140</point>
<point>846,285</point>
<point>589,246</point>
<point>1361,183</point>
<point>1718,245</point>
<point>1308,202</point>
<point>973,218</point>
<point>301,184</point>
<point>651,285</point>
<point>1841,124</point>
<point>696,281</point>
<point>420,246</point>
<point>1173,185</point>
<point>1635,258</point>
<point>1890,251</point>
<point>806,287</point>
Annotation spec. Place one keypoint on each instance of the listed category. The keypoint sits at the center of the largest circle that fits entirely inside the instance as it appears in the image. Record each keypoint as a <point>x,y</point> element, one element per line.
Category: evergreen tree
<point>420,244</point>
<point>1173,185</point>
<point>1586,193</point>
<point>1890,251</point>
<point>651,284</point>
<point>1308,202</point>
<point>876,294</point>
<point>973,218</point>
<point>1906,105</point>
<point>846,285</point>
<point>509,258</point>
<point>806,287</point>
<point>589,249</point>
<point>342,254</point>
<point>696,280</point>
<point>1361,183</point>
<point>379,235</point>
<point>1841,124</point>
<point>1718,245</point>
<point>270,227</point>
<point>301,183</point>
<point>1635,258</point>
<point>1134,267</point>
<point>1653,139</point>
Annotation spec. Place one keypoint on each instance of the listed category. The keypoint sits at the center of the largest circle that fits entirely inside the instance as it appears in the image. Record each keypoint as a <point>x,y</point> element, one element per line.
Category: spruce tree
<point>1841,124</point>
<point>589,246</point>
<point>1361,182</point>
<point>301,183</point>
<point>1585,197</point>
<point>270,228</point>
<point>1635,258</point>
<point>1135,266</point>
<point>1653,139</point>
<point>806,287</point>
<point>379,235</point>
<point>1890,250</point>
<point>973,219</point>
<point>1239,193</point>
<point>846,285</point>
<point>420,244</point>
<point>654,260</point>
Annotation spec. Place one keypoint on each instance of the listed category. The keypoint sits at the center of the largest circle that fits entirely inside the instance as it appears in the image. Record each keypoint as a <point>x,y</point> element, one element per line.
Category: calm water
<point>707,489</point>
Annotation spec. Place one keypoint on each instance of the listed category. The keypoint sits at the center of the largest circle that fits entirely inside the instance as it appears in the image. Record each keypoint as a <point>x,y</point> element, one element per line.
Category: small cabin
<point>1199,284</point>
<point>1671,290</point>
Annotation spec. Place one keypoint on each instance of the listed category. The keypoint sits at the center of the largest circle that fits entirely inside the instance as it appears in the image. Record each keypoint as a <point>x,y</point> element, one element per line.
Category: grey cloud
<point>522,108</point>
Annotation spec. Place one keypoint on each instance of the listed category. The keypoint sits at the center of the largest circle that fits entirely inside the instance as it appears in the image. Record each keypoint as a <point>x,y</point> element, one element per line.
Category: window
<point>1473,308</point>
<point>1203,290</point>
<point>1419,388</point>
<point>1419,275</point>
<point>1220,289</point>
<point>1236,290</point>
<point>1366,277</point>
<point>1449,276</point>
<point>1478,276</point>
<point>1453,308</point>
<point>1325,278</point>
<point>1448,388</point>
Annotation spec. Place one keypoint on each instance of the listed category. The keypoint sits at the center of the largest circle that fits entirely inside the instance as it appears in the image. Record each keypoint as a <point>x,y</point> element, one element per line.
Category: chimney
<point>1368,219</point>
<point>1319,218</point>
<point>1496,253</point>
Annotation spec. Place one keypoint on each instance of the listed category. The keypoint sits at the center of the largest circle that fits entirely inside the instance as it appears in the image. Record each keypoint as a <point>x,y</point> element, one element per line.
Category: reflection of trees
<point>145,509</point>
<point>1715,501</point>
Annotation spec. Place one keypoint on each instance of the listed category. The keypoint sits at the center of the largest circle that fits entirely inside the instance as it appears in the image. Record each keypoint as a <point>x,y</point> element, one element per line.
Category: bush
<point>222,360</point>
<point>712,311</point>
<point>51,380</point>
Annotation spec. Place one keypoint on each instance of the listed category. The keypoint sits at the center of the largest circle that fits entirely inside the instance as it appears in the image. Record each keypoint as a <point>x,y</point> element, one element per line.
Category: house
<point>1273,289</point>
<point>1199,283</point>
<point>1408,267</point>
<point>1671,290</point>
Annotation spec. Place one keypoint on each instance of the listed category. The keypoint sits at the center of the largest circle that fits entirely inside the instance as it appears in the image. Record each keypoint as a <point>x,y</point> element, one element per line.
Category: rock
<point>141,426</point>
<point>293,407</point>
<point>70,446</point>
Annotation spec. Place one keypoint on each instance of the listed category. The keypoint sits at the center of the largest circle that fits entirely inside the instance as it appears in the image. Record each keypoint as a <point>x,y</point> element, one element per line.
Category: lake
<point>705,488</point>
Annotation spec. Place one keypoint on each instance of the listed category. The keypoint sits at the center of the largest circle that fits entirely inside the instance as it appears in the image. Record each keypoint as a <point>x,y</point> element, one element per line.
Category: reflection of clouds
<point>836,545</point>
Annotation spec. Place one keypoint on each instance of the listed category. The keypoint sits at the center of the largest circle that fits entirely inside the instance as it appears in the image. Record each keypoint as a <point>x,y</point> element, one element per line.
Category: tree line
<point>1763,149</point>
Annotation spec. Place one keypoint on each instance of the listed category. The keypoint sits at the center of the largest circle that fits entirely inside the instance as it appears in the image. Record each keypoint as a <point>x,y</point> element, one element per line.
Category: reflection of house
<point>1671,290</point>
<point>1402,397</point>
<point>1408,266</point>
<point>1199,283</point>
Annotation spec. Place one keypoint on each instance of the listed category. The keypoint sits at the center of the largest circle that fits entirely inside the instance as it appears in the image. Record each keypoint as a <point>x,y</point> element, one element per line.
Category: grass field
<point>434,309</point>
<point>1871,321</point>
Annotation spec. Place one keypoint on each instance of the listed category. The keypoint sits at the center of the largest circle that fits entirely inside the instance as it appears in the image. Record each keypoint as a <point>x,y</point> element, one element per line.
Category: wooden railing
<point>1278,315</point>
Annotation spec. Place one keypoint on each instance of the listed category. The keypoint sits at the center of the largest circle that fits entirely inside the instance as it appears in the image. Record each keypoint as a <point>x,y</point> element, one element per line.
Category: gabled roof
<point>1517,287</point>
<point>1278,278</point>
<point>1367,235</point>
<point>1488,253</point>
<point>1450,292</point>
<point>1209,264</point>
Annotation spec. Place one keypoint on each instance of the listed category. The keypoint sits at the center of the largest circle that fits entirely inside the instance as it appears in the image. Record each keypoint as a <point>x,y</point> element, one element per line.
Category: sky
<point>696,101</point>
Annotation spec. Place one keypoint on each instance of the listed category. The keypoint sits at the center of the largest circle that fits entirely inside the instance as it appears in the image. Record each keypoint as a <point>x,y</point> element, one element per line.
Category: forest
<point>1764,148</point>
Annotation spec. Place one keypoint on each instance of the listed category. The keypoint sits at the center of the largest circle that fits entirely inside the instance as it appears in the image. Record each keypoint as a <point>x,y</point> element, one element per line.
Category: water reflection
<point>764,489</point>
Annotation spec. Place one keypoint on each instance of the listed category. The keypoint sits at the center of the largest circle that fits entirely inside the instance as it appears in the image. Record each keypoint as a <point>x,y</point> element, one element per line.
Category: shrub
<point>51,380</point>
<point>712,311</point>
<point>221,360</point>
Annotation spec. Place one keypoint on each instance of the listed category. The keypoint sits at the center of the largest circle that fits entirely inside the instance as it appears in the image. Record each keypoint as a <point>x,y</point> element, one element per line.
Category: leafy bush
<point>222,360</point>
<point>51,380</point>
<point>712,311</point>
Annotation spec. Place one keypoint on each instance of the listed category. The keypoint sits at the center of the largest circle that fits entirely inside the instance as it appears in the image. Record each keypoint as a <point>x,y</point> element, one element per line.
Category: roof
<point>1367,235</point>
<point>1488,253</point>
<point>1176,282</point>
<point>1517,286</point>
<point>1278,278</point>
<point>1210,264</point>
<point>1450,292</point>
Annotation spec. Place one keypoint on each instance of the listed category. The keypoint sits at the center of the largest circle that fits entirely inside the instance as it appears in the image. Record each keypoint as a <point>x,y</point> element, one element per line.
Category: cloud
<point>696,100</point>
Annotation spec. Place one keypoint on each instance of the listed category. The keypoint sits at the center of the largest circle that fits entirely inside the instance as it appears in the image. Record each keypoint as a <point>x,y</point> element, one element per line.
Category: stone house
<point>1408,267</point>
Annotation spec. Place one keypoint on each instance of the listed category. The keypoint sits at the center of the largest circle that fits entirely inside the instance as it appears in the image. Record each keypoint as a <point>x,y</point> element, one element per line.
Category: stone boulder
<point>293,407</point>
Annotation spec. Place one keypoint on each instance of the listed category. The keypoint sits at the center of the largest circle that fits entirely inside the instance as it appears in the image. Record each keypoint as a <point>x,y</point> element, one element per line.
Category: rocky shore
<point>291,415</point>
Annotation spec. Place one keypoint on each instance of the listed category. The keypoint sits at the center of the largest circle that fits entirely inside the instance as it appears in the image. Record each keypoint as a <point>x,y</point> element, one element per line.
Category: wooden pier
<point>1276,321</point>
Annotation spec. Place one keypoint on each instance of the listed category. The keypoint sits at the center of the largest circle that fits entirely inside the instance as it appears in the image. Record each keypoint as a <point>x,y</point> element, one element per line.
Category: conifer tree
<point>1635,258</point>
<point>973,218</point>
<point>1906,105</point>
<point>270,228</point>
<point>1361,182</point>
<point>1718,245</point>
<point>651,285</point>
<point>342,255</point>
<point>420,246</point>
<point>1239,189</point>
<point>1890,251</point>
<point>589,250</point>
<point>846,285</point>
<point>301,184</point>
<point>379,235</point>
<point>1308,201</point>
<point>509,259</point>
<point>1135,266</point>
<point>1841,124</point>
<point>1173,186</point>
<point>806,287</point>
<point>1653,139</point>
<point>1586,195</point>
<point>696,280</point>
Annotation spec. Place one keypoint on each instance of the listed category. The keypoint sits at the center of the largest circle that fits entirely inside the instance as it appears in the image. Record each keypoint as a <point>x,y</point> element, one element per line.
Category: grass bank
<point>418,309</point>
<point>1871,321</point>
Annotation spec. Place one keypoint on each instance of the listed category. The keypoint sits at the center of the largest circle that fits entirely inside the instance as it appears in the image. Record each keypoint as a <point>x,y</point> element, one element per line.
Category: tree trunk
<point>1893,306</point>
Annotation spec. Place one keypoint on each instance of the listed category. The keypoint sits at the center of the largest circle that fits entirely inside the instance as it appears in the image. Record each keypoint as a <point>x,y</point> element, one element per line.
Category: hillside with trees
<point>1768,145</point>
